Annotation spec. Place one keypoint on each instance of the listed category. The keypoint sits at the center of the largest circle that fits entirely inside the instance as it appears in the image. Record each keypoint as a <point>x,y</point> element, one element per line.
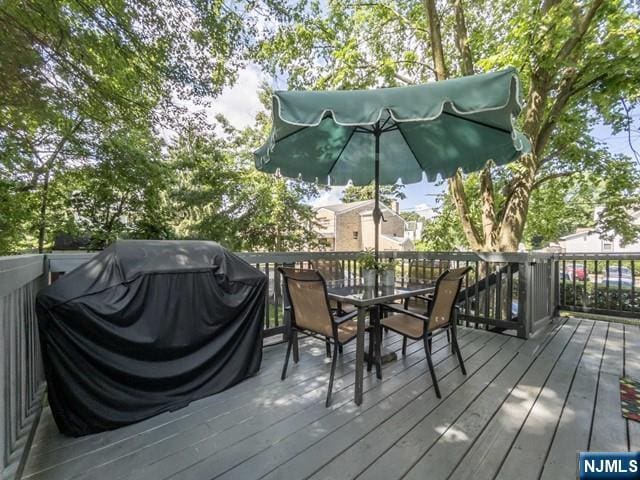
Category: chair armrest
<point>390,306</point>
<point>345,318</point>
<point>427,296</point>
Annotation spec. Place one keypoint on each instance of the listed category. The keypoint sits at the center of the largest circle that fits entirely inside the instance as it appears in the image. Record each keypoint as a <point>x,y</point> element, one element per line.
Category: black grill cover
<point>145,327</point>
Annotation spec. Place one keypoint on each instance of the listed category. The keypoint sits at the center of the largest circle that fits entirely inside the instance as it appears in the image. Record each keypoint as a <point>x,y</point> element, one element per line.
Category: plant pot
<point>388,278</point>
<point>369,278</point>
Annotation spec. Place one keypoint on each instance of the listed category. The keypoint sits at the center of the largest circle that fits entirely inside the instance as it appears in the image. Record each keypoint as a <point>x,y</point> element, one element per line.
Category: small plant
<point>367,260</point>
<point>388,266</point>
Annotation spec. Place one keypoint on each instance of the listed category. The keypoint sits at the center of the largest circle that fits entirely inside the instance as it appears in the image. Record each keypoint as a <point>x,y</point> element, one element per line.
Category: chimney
<point>395,206</point>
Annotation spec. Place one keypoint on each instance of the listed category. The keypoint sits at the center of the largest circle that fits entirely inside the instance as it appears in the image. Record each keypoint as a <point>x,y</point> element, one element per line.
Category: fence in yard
<point>602,283</point>
<point>22,379</point>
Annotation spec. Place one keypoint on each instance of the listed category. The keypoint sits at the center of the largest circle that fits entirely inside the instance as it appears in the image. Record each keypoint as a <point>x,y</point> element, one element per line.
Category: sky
<point>240,104</point>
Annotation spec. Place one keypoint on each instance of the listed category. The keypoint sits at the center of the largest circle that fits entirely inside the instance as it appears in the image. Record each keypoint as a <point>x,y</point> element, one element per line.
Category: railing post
<point>524,297</point>
<point>21,376</point>
<point>554,298</point>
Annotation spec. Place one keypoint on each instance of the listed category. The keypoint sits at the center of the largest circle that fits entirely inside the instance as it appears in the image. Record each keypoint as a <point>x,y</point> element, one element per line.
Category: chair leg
<point>454,345</point>
<point>427,351</point>
<point>404,346</point>
<point>334,360</point>
<point>296,353</point>
<point>286,358</point>
<point>327,345</point>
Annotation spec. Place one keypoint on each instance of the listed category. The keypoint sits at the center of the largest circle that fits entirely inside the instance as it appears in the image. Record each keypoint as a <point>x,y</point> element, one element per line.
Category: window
<point>607,247</point>
<point>355,235</point>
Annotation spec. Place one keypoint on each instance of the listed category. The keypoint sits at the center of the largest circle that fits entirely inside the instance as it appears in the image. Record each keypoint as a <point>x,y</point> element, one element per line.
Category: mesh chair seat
<point>348,330</point>
<point>404,325</point>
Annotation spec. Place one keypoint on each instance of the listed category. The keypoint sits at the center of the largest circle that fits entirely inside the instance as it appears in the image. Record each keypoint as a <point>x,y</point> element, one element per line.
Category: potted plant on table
<point>369,266</point>
<point>387,273</point>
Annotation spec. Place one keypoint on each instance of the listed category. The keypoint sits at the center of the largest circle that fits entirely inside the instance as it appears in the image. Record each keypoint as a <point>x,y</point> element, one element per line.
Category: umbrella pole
<point>376,208</point>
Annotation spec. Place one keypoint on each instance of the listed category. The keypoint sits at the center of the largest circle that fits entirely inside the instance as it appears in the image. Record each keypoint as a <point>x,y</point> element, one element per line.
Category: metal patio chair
<point>311,315</point>
<point>441,318</point>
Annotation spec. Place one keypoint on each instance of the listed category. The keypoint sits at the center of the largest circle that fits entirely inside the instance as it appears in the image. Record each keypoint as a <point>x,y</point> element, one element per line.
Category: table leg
<point>377,332</point>
<point>362,314</point>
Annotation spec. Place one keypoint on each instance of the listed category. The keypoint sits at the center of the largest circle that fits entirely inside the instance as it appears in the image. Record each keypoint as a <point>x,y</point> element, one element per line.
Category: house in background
<point>350,227</point>
<point>588,240</point>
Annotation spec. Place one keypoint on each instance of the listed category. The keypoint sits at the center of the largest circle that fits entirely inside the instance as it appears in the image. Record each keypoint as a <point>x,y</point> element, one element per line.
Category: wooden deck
<point>523,411</point>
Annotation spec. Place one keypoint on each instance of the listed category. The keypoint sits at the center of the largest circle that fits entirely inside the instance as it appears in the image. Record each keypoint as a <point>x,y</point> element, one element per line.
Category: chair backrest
<point>329,269</point>
<point>308,296</point>
<point>447,288</point>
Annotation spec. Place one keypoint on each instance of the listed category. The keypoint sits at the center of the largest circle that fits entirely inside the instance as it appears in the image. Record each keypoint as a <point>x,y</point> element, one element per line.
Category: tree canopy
<point>388,193</point>
<point>88,92</point>
<point>577,60</point>
<point>100,136</point>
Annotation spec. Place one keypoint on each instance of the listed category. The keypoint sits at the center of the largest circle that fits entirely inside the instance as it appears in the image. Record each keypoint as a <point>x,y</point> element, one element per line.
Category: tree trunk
<point>437,51</point>
<point>456,187</point>
<point>550,91</point>
<point>461,37</point>
<point>489,221</point>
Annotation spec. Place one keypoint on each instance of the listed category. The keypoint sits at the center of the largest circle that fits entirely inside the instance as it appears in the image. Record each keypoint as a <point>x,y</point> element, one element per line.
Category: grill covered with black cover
<point>145,327</point>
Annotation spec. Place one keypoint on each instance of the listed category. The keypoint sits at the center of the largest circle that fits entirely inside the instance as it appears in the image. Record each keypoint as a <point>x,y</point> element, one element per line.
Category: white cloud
<point>239,103</point>
<point>329,197</point>
<point>424,210</point>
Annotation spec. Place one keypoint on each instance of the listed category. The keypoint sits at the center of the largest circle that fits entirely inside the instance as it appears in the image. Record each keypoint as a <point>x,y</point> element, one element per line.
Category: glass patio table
<point>366,298</point>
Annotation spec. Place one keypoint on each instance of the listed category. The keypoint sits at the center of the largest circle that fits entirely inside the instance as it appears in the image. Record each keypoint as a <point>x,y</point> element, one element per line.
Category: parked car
<point>579,272</point>
<point>618,276</point>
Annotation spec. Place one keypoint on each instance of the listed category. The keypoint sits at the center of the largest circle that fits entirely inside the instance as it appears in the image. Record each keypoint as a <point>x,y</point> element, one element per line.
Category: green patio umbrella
<point>391,134</point>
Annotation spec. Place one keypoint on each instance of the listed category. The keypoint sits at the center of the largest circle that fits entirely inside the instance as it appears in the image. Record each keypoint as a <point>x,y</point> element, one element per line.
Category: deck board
<point>484,458</point>
<point>574,425</point>
<point>528,453</point>
<point>609,429</point>
<point>524,407</point>
<point>454,441</point>
<point>632,370</point>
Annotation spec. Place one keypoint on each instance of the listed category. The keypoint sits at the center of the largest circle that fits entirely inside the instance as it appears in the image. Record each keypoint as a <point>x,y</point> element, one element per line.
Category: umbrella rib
<point>410,147</point>
<point>340,154</point>
<point>477,122</point>
<point>291,134</point>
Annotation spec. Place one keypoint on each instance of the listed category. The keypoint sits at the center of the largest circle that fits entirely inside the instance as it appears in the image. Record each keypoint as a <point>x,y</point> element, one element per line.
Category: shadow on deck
<point>524,410</point>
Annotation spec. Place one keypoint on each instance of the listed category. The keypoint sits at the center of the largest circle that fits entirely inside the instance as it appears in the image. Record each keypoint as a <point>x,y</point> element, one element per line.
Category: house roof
<point>343,207</point>
<point>398,240</point>
<point>579,233</point>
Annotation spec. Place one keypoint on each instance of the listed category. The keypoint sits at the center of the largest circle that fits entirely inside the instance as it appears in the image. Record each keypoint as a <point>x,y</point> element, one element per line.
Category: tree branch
<point>627,111</point>
<point>552,176</point>
<point>396,13</point>
<point>582,25</point>
<point>561,100</point>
